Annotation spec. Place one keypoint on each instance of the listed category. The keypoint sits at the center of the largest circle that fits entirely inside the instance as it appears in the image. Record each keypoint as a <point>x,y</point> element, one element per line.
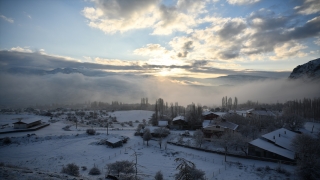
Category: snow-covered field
<point>52,147</point>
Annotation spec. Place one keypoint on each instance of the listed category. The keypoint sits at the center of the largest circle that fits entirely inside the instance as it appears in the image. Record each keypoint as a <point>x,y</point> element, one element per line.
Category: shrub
<point>267,168</point>
<point>259,169</point>
<point>94,171</point>
<point>7,140</point>
<point>158,176</point>
<point>91,131</point>
<point>282,170</point>
<point>71,169</point>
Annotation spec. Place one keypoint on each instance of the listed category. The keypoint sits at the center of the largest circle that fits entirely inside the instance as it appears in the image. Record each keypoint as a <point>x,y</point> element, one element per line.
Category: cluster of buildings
<point>274,145</point>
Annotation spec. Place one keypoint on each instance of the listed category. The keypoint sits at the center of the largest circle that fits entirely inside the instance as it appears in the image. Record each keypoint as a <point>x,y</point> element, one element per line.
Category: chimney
<point>279,134</point>
<point>274,137</point>
<point>284,132</point>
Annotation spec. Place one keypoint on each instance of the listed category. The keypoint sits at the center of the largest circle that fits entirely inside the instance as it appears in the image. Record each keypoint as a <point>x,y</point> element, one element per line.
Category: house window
<point>217,126</point>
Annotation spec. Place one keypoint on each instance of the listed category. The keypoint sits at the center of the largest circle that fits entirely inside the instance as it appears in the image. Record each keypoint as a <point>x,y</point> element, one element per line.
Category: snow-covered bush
<point>91,131</point>
<point>188,170</point>
<point>71,169</point>
<point>94,171</point>
<point>121,168</point>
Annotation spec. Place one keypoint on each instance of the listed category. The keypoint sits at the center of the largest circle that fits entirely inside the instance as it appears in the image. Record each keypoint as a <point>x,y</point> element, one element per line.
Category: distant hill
<point>310,70</point>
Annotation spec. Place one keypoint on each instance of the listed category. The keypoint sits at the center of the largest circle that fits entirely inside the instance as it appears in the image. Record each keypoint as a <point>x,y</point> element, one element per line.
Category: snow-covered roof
<point>178,118</point>
<point>113,140</point>
<point>284,140</point>
<point>225,124</point>
<point>261,112</point>
<point>162,123</point>
<point>204,113</point>
<point>309,125</point>
<point>26,120</point>
<point>263,144</point>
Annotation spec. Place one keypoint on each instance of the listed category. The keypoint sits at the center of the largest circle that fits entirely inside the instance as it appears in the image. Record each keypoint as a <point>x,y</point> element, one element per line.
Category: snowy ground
<point>52,147</point>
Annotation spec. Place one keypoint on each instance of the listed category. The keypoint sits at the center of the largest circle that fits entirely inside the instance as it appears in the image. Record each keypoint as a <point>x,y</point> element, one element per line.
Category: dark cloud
<point>231,29</point>
<point>308,7</point>
<point>270,34</point>
<point>310,29</point>
<point>267,20</point>
<point>35,63</point>
<point>187,46</point>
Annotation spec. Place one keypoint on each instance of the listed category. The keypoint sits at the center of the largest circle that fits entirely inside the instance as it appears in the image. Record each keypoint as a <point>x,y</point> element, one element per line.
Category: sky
<point>182,42</point>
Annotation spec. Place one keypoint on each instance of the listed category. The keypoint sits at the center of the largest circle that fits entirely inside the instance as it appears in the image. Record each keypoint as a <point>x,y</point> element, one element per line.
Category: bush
<point>259,169</point>
<point>71,169</point>
<point>91,131</point>
<point>7,140</point>
<point>84,168</point>
<point>158,176</point>
<point>267,168</point>
<point>282,171</point>
<point>94,171</point>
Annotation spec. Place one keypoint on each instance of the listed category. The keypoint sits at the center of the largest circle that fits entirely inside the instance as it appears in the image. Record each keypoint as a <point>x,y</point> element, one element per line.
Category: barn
<point>26,124</point>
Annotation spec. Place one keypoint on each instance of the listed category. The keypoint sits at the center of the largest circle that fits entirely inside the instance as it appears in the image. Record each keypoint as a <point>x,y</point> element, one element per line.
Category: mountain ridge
<point>309,70</point>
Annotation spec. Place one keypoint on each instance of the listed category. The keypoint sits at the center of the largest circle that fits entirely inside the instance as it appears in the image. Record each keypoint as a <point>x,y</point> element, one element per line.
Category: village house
<point>274,145</point>
<point>179,122</point>
<point>260,113</point>
<point>26,124</point>
<point>217,127</point>
<point>209,115</point>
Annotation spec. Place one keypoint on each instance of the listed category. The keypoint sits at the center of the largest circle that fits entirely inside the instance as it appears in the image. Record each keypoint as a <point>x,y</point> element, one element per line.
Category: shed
<point>114,142</point>
<point>25,125</point>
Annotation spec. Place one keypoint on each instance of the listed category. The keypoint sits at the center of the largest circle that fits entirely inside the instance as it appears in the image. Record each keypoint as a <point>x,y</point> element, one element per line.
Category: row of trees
<point>227,103</point>
<point>307,108</point>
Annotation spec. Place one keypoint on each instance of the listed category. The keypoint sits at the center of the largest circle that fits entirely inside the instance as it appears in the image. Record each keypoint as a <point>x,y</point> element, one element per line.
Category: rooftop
<point>272,148</point>
<point>178,118</point>
<point>284,140</point>
<point>113,140</point>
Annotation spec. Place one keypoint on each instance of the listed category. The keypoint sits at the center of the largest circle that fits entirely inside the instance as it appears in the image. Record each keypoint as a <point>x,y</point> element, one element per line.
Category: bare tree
<point>308,160</point>
<point>198,137</point>
<point>188,171</point>
<point>241,142</point>
<point>292,122</point>
<point>226,142</point>
<point>121,167</point>
<point>147,135</point>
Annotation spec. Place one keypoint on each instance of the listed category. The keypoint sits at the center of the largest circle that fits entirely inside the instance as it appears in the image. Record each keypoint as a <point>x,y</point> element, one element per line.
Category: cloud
<point>308,7</point>
<point>113,16</point>
<point>288,49</point>
<point>242,2</point>
<point>317,41</point>
<point>20,49</point>
<point>152,50</point>
<point>10,20</point>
